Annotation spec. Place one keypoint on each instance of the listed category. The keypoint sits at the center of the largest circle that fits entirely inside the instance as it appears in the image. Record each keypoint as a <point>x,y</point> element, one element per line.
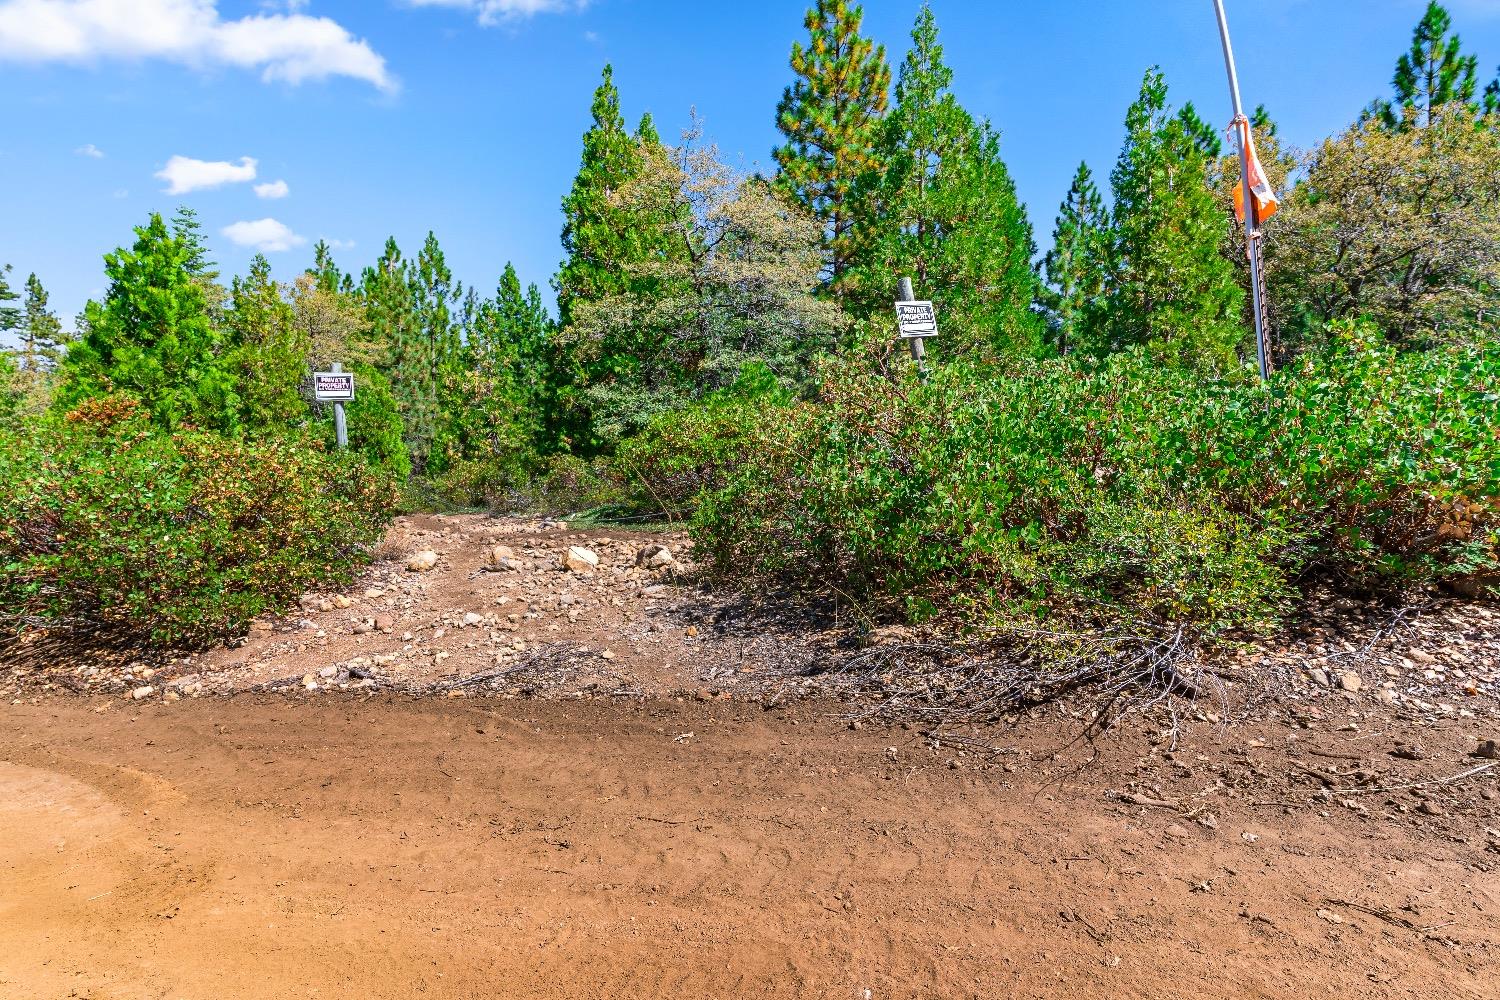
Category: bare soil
<point>698,815</point>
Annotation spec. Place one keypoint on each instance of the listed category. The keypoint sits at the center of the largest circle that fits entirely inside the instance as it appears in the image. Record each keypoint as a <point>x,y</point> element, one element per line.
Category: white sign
<point>333,387</point>
<point>917,319</point>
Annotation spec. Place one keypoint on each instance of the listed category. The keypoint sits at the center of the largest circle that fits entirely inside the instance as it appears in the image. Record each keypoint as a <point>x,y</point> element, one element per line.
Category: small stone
<point>423,561</point>
<point>692,631</point>
<point>1319,676</point>
<point>363,627</point>
<point>328,672</point>
<point>1177,832</point>
<point>580,560</point>
<point>471,619</point>
<point>1430,808</point>
<point>1250,838</point>
<point>385,623</point>
<point>340,601</point>
<point>141,693</point>
<point>1421,656</point>
<point>374,594</point>
<point>1488,750</point>
<point>608,654</point>
<point>1351,682</point>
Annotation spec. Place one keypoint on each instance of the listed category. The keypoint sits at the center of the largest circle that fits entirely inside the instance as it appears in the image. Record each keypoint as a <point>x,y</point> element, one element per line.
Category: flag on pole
<point>1266,202</point>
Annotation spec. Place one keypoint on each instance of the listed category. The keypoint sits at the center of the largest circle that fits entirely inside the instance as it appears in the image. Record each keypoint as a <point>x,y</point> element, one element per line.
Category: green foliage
<point>10,316</point>
<point>830,117</point>
<point>1434,73</point>
<point>1075,266</point>
<point>743,293</point>
<point>943,211</point>
<point>108,525</point>
<point>688,453</point>
<point>269,358</point>
<point>374,424</point>
<point>153,338</point>
<point>1168,287</point>
<point>1131,493</point>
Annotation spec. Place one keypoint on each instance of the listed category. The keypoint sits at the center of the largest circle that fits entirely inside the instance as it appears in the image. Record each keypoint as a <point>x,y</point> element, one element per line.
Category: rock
<point>471,619</point>
<point>1319,676</point>
<point>1177,832</point>
<point>1430,808</point>
<point>364,627</point>
<point>328,672</point>
<point>422,562</point>
<point>142,693</point>
<point>1421,656</point>
<point>580,560</point>
<point>385,623</point>
<point>1488,750</point>
<point>501,559</point>
<point>340,601</point>
<point>374,594</point>
<point>654,556</point>
<point>1351,682</point>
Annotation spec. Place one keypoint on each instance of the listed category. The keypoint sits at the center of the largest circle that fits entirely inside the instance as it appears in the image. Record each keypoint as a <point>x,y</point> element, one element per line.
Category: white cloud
<point>265,235</point>
<point>272,190</point>
<point>337,244</point>
<point>90,150</point>
<point>291,47</point>
<point>184,174</point>
<point>492,12</point>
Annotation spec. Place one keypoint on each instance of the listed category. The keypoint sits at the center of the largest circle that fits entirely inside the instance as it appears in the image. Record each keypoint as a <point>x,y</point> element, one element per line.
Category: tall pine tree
<point>944,212</point>
<point>10,315</point>
<point>1076,263</point>
<point>831,116</point>
<point>42,338</point>
<point>1433,73</point>
<point>1169,287</point>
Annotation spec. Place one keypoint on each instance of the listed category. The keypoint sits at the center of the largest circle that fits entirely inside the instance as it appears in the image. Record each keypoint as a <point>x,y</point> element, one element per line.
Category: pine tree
<point>432,355</point>
<point>10,316</point>
<point>188,231</point>
<point>944,212</point>
<point>269,356</point>
<point>1169,287</point>
<point>1433,73</point>
<point>152,338</point>
<point>1203,135</point>
<point>42,339</point>
<point>324,270</point>
<point>831,116</point>
<point>397,336</point>
<point>1076,263</point>
<point>598,239</point>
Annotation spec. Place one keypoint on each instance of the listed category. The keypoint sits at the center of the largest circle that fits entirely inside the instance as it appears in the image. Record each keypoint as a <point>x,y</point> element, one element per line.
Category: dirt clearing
<point>337,847</point>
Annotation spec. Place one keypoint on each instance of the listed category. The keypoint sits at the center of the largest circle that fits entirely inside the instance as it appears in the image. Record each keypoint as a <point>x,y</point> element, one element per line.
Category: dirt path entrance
<point>261,846</point>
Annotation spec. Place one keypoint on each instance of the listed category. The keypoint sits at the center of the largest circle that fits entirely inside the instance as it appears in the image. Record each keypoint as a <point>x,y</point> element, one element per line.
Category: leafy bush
<point>1126,493</point>
<point>109,526</point>
<point>686,453</point>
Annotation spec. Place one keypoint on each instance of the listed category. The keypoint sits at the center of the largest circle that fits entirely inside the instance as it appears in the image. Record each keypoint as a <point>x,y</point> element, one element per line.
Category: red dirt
<point>264,846</point>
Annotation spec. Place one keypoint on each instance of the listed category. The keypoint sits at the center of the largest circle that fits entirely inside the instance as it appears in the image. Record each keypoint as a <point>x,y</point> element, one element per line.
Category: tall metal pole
<point>1252,220</point>
<point>918,346</point>
<point>340,429</point>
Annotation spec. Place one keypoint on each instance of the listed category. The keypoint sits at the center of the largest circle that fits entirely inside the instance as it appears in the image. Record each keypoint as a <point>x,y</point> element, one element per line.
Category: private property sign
<point>333,387</point>
<point>917,319</point>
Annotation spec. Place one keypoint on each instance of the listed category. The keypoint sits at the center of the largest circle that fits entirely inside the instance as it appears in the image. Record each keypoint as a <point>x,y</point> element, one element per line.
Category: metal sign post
<point>918,321</point>
<point>1252,221</point>
<point>336,387</point>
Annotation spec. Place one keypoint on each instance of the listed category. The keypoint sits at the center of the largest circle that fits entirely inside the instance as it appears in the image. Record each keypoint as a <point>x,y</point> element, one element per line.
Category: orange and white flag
<point>1266,202</point>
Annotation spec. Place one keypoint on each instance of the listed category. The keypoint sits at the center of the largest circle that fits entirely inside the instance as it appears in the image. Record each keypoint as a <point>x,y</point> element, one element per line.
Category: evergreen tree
<point>324,270</point>
<point>1433,73</point>
<point>830,116</point>
<point>431,355</point>
<point>152,337</point>
<point>269,357</point>
<point>42,339</point>
<point>600,239</point>
<point>1169,286</point>
<point>1203,135</point>
<point>1076,263</point>
<point>10,316</point>
<point>390,311</point>
<point>944,212</point>
<point>188,231</point>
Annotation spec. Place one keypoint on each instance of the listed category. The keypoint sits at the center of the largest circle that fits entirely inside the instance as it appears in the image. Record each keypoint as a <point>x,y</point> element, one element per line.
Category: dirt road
<point>270,847</point>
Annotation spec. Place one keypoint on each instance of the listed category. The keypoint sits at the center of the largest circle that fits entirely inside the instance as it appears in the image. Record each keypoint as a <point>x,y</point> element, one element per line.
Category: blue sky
<point>392,117</point>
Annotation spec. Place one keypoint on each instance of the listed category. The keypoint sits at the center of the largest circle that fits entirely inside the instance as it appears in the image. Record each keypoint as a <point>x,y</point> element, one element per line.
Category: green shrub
<point>109,526</point>
<point>1129,492</point>
<point>684,454</point>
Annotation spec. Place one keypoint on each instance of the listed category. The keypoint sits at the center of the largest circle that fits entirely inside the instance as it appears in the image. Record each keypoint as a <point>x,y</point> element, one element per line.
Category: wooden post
<point>918,345</point>
<point>340,428</point>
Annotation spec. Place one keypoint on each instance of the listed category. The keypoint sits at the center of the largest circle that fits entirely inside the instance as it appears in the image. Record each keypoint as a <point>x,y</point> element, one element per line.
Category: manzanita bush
<point>1092,496</point>
<point>112,527</point>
